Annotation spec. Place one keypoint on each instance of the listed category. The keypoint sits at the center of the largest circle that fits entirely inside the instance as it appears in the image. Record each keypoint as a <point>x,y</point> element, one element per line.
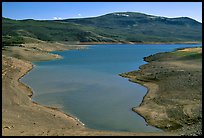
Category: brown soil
<point>22,116</point>
<point>174,98</point>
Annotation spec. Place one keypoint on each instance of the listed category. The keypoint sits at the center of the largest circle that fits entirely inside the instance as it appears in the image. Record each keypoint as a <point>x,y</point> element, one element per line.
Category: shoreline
<point>48,107</point>
<point>31,104</point>
<point>22,104</point>
<point>151,75</point>
<point>92,43</point>
<point>29,90</point>
<point>150,91</point>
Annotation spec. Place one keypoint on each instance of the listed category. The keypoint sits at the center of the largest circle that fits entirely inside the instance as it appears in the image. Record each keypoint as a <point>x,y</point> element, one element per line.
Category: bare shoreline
<point>186,42</point>
<point>32,118</point>
<point>166,107</point>
<point>52,108</point>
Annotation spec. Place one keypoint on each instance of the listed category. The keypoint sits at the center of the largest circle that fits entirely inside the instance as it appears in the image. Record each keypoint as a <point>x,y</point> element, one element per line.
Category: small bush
<point>12,41</point>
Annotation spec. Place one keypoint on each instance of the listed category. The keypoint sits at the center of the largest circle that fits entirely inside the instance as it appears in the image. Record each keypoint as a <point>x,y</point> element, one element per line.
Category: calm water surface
<point>86,84</point>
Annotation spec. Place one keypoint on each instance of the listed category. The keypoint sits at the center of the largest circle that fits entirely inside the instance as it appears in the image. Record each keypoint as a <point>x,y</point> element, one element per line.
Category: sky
<point>65,10</point>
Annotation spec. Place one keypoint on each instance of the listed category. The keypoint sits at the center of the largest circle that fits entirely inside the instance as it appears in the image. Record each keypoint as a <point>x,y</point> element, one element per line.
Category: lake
<point>86,84</point>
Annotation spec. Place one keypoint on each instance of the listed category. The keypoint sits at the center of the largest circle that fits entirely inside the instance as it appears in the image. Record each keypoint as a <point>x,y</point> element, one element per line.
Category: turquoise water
<point>86,84</point>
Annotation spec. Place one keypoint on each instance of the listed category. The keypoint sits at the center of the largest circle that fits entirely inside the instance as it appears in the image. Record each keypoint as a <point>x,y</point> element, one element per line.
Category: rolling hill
<point>121,27</point>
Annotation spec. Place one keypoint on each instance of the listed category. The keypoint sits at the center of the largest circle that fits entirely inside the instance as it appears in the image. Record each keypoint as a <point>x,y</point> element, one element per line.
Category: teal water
<point>86,84</point>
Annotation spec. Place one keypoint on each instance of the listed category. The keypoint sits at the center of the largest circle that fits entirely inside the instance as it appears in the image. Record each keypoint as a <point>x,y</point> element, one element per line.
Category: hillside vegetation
<point>121,27</point>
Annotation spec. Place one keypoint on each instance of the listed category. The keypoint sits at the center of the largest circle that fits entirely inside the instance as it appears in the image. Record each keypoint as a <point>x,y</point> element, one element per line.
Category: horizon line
<point>79,17</point>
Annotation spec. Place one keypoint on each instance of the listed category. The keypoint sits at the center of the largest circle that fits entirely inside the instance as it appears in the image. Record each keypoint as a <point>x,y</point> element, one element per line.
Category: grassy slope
<point>49,30</point>
<point>142,27</point>
<point>136,27</point>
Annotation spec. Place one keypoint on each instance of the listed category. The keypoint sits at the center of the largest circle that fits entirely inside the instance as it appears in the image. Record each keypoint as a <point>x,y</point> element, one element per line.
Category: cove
<point>86,84</point>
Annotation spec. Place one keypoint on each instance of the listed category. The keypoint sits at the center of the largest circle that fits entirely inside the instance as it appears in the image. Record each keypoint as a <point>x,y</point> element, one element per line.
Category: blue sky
<point>64,10</point>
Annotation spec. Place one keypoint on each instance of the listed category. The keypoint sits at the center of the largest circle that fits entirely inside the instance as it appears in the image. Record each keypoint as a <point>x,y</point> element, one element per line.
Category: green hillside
<point>113,27</point>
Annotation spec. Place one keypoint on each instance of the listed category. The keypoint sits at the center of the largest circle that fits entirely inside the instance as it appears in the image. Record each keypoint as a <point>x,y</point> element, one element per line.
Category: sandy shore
<point>174,98</point>
<point>22,116</point>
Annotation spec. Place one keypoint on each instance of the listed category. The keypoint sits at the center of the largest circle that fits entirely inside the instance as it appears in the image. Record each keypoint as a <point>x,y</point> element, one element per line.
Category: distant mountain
<point>114,27</point>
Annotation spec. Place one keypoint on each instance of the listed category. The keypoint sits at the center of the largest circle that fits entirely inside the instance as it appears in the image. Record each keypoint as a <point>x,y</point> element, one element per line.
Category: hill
<point>114,27</point>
